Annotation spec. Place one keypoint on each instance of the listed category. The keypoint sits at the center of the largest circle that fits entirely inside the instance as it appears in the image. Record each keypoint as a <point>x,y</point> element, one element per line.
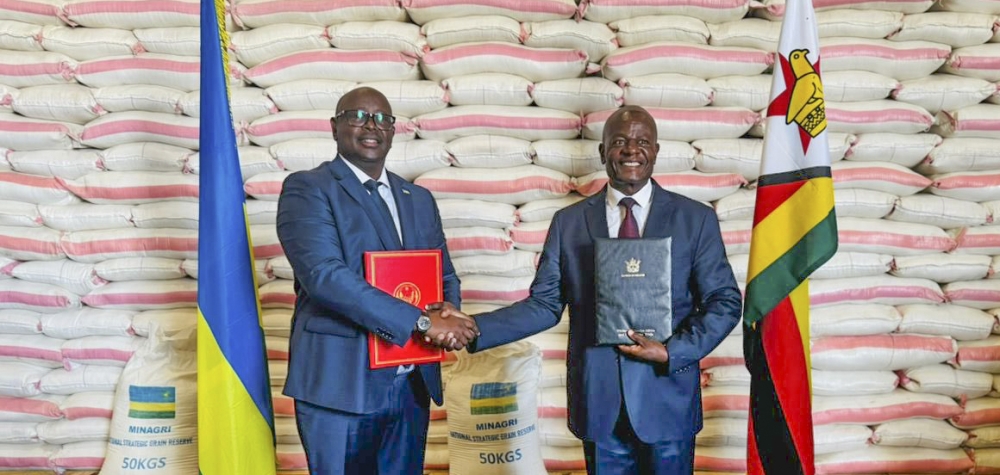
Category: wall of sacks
<point>501,106</point>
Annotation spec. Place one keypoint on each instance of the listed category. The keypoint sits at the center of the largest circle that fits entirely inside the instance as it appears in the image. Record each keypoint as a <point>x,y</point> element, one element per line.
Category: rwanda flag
<point>235,419</point>
<point>152,402</point>
<point>493,398</point>
<point>794,232</point>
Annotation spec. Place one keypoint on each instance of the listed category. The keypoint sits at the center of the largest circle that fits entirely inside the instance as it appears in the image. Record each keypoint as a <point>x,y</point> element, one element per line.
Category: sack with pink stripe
<point>35,68</point>
<point>43,298</point>
<point>853,383</point>
<point>126,127</point>
<point>685,124</point>
<point>530,236</point>
<point>516,185</point>
<point>86,216</point>
<point>88,404</point>
<point>85,43</point>
<point>749,32</point>
<point>725,401</point>
<point>81,378</point>
<point>594,38</point>
<point>877,409</point>
<point>885,116</point>
<point>606,11</point>
<point>970,186</point>
<point>925,433</point>
<point>21,322</point>
<point>64,102</point>
<point>466,213</point>
<point>277,294</point>
<point>736,236</point>
<point>41,408</point>
<point>900,60</point>
<point>544,210</point>
<point>266,186</point>
<point>720,459</point>
<point>729,352</point>
<point>533,64</point>
<point>261,13</point>
<point>684,58</point>
<point>955,319</point>
<point>974,121</point>
<point>906,150</point>
<point>489,151</point>
<point>23,133</point>
<point>893,460</point>
<point>169,321</point>
<point>730,375</point>
<point>145,156</point>
<point>495,89</point>
<point>740,156</point>
<point>552,344</point>
<point>943,92</point>
<point>166,214</point>
<point>134,187</point>
<point>886,237</point>
<point>982,61</point>
<point>516,263</point>
<point>138,97</point>
<point>310,94</point>
<point>270,41</point>
<point>99,350</point>
<point>131,14</point>
<point>986,460</point>
<point>952,29</point>
<point>578,95</point>
<point>655,28</point>
<point>25,244</point>
<point>552,403</point>
<point>835,438</point>
<point>75,277</point>
<point>293,457</point>
<point>69,164</point>
<point>265,241</point>
<point>943,268</point>
<point>980,412</point>
<point>526,123</point>
<point>85,455</point>
<point>179,41</point>
<point>979,355</point>
<point>96,246</point>
<point>978,240</point>
<point>845,265</point>
<point>553,373</point>
<point>167,70</point>
<point>26,188</point>
<point>285,431</point>
<point>940,211</point>
<point>277,347</point>
<point>284,126</point>
<point>411,98</point>
<point>276,322</point>
<point>880,352</point>
<point>27,456</point>
<point>253,160</point>
<point>981,294</point>
<point>723,432</point>
<point>961,155</point>
<point>947,381</point>
<point>398,36</point>
<point>857,86</point>
<point>477,240</point>
<point>21,380</point>
<point>495,290</point>
<point>666,90</point>
<point>81,322</point>
<point>38,350</point>
<point>749,92</point>
<point>246,104</point>
<point>853,320</point>
<point>692,184</point>
<point>423,11</point>
<point>329,63</point>
<point>556,433</point>
<point>144,295</point>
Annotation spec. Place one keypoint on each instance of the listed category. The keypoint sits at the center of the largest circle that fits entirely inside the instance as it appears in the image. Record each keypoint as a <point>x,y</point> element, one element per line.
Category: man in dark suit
<point>352,419</point>
<point>636,407</point>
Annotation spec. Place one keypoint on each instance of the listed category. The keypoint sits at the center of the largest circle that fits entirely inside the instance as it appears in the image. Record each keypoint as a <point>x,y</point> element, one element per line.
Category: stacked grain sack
<point>100,139</point>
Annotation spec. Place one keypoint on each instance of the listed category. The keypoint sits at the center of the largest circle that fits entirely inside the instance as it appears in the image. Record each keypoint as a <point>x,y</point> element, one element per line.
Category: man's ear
<point>600,150</point>
<point>333,127</point>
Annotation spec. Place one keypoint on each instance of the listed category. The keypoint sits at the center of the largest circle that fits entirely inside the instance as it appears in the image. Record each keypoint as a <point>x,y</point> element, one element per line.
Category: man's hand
<point>450,328</point>
<point>645,349</point>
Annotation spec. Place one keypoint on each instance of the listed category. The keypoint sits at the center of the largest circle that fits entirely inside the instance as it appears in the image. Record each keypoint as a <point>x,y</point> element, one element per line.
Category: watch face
<point>424,323</point>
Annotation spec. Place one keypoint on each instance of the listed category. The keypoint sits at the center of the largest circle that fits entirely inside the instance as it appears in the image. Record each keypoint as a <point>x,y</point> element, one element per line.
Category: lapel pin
<point>406,192</point>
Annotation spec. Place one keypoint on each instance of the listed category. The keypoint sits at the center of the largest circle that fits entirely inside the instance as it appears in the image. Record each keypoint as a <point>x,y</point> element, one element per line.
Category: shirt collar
<point>641,197</point>
<point>363,177</point>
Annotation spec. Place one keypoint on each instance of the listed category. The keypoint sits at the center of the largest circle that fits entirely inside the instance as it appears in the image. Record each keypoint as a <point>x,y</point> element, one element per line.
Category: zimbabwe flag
<point>794,232</point>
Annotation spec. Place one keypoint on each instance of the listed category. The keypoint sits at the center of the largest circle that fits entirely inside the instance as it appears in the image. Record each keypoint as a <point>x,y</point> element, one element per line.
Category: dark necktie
<point>372,187</point>
<point>629,228</point>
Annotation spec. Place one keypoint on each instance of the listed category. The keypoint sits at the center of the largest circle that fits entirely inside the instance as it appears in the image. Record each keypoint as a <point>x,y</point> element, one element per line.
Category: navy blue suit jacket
<point>663,402</point>
<point>326,222</point>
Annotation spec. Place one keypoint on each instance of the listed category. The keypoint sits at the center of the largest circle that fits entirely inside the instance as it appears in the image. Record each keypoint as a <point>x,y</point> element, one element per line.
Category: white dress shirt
<point>643,198</point>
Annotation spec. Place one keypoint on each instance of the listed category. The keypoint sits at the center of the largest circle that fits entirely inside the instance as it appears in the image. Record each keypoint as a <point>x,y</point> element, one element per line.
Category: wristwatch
<point>423,323</point>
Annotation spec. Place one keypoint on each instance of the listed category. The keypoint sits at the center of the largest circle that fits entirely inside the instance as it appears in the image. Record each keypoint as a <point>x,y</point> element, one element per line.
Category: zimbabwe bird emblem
<point>802,100</point>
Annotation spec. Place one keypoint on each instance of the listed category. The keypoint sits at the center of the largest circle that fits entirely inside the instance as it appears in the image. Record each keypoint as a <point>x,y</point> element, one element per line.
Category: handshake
<point>450,328</point>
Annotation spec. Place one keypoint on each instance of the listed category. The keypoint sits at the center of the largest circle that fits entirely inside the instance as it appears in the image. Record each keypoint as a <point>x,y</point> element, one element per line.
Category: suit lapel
<point>404,206</point>
<point>349,182</point>
<point>597,216</point>
<point>660,214</point>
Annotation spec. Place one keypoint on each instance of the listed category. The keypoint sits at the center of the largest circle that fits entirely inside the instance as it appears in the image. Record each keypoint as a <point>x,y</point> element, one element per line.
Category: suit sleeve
<point>540,311</point>
<point>717,303</point>
<point>307,229</point>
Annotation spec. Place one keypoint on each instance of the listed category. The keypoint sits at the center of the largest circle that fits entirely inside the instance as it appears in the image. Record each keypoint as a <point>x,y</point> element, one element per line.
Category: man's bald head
<point>627,114</point>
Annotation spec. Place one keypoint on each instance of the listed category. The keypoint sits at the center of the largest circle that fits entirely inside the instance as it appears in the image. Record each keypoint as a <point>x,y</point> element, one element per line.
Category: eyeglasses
<point>358,118</point>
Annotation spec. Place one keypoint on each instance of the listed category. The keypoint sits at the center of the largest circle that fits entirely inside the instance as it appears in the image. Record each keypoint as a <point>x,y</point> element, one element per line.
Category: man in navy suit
<point>352,419</point>
<point>636,407</point>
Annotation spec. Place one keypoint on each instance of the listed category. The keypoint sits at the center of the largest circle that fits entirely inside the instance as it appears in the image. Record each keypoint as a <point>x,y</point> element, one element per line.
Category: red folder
<point>414,277</point>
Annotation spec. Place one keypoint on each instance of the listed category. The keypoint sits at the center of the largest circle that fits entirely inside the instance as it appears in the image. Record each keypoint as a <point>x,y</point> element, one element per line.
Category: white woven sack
<point>740,156</point>
<point>477,240</point>
<point>329,63</point>
<point>667,90</point>
<point>579,95</point>
<point>943,92</point>
<point>43,298</point>
<point>752,92</point>
<point>127,127</point>
<point>138,97</point>
<point>906,150</point>
<point>900,60</point>
<point>875,24</point>
<point>857,86</point>
<point>685,124</point>
<point>534,123</point>
<point>683,58</point>
<point>925,433</point>
<point>878,176</point>
<point>464,213</point>
<point>880,352</point>
<point>506,185</point>
<point>82,322</point>
<point>496,435</point>
<point>178,72</point>
<point>961,155</point>
<point>978,240</point>
<point>939,211</point>
<point>980,120</point>
<point>953,29</point>
<point>423,11</point>
<point>83,44</point>
<point>722,432</point>
<point>606,11</point>
<point>488,89</point>
<point>975,62</point>
<point>21,36</point>
<point>62,102</point>
<point>517,263</point>
<point>182,40</point>
<point>853,383</point>
<point>70,164</point>
<point>596,39</point>
<point>253,161</point>
<point>21,380</point>
<point>748,32</point>
<point>134,187</point>
<point>878,116</point>
<point>145,156</point>
<point>309,94</point>
<point>20,322</point>
<point>489,151</point>
<point>258,13</point>
<point>942,268</point>
<point>99,245</point>
<point>81,378</point>
<point>947,381</point>
<point>16,213</point>
<point>886,289</point>
<point>23,133</point>
<point>84,216</point>
<point>73,276</point>
<point>970,186</point>
<point>245,103</point>
<point>543,210</point>
<point>970,6</point>
<point>652,28</point>
<point>378,35</point>
<point>411,98</point>
<point>35,68</point>
<point>449,31</point>
<point>26,244</point>
<point>534,64</point>
<point>954,320</point>
<point>853,320</point>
